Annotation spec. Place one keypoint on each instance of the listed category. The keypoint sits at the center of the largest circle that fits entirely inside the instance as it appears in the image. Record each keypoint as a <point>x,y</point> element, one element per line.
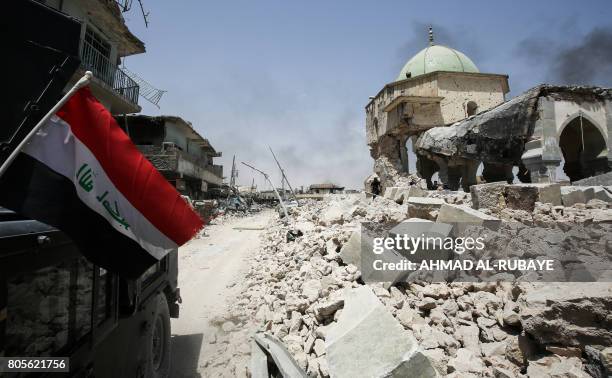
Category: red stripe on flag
<point>131,173</point>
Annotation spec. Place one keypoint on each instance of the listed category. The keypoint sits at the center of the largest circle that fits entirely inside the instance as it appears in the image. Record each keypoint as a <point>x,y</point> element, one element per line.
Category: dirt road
<point>210,270</point>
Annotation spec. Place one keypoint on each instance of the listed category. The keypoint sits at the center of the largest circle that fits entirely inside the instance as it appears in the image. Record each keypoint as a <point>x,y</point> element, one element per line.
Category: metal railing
<point>110,74</point>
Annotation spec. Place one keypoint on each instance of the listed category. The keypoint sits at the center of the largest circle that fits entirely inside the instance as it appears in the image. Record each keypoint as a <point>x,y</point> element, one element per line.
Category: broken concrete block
<point>571,314</point>
<point>421,207</point>
<point>466,362</point>
<point>402,194</point>
<point>328,308</point>
<point>524,196</point>
<point>606,359</point>
<point>311,289</point>
<point>571,195</point>
<point>414,228</point>
<point>358,250</point>
<point>462,216</point>
<point>390,192</point>
<point>350,253</point>
<point>603,179</point>
<point>333,214</point>
<point>488,196</point>
<point>369,342</point>
<point>602,194</point>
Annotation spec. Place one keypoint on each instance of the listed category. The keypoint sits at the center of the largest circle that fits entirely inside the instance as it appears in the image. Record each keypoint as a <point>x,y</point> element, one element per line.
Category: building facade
<point>460,124</point>
<point>105,41</point>
<point>436,87</point>
<point>178,151</point>
<point>325,189</point>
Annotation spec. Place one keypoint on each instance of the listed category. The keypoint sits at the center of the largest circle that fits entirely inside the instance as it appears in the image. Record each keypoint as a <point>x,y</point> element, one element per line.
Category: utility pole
<point>233,177</point>
<point>265,175</point>
<point>284,177</point>
<point>282,184</point>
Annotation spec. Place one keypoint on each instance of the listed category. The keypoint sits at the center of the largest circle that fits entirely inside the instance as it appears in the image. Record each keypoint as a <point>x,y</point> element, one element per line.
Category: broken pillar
<point>368,341</point>
<point>426,168</point>
<point>542,154</point>
<point>468,174</point>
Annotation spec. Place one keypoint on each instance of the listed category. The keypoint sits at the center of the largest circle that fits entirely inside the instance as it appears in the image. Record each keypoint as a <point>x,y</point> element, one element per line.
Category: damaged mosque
<point>457,118</point>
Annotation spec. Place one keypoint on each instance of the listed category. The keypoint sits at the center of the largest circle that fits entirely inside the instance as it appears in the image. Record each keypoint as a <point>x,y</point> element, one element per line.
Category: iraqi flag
<point>82,174</point>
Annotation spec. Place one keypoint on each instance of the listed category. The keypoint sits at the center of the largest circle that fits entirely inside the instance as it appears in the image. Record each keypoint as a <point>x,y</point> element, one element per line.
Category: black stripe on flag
<point>33,190</point>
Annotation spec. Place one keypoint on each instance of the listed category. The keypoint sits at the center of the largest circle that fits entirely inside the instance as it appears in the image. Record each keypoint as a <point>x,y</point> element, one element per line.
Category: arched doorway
<point>584,149</point>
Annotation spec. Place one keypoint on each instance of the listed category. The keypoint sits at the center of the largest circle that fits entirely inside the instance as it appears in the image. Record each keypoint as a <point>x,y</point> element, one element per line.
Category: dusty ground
<point>210,270</point>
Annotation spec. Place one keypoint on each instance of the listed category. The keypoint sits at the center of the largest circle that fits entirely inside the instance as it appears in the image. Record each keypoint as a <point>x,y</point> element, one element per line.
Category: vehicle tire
<point>157,363</point>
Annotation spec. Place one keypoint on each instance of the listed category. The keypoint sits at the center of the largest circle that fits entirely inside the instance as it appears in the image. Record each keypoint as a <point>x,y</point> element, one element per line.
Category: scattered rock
<point>568,314</point>
<point>369,341</point>
<point>421,207</point>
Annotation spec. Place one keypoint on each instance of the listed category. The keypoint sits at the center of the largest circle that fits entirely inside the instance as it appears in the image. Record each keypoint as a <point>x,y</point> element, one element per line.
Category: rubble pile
<point>308,292</point>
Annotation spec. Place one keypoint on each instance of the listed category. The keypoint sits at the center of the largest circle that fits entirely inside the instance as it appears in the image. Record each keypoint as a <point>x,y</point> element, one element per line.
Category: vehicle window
<point>49,310</point>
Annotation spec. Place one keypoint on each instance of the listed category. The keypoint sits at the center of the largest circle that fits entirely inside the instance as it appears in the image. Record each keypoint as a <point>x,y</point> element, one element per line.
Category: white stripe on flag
<point>58,148</point>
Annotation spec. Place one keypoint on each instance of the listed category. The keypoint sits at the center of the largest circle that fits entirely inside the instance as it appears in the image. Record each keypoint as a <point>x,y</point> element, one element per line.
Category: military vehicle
<point>53,301</point>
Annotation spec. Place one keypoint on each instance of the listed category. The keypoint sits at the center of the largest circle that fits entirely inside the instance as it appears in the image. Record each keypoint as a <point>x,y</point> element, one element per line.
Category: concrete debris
<point>571,195</point>
<point>603,179</point>
<point>552,314</point>
<point>402,194</point>
<point>524,196</point>
<point>424,207</point>
<point>310,293</point>
<point>369,342</point>
<point>462,215</point>
<point>488,196</point>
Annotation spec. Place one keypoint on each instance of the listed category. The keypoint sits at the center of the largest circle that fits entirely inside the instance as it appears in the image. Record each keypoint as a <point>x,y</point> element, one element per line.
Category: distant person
<point>375,187</point>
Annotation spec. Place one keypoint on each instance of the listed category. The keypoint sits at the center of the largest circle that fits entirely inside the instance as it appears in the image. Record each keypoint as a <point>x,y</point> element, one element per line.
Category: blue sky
<point>297,75</point>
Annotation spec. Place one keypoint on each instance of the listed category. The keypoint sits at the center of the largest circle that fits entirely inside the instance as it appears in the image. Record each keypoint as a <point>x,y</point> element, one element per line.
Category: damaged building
<point>105,42</point>
<point>325,188</point>
<point>458,119</point>
<point>178,151</point>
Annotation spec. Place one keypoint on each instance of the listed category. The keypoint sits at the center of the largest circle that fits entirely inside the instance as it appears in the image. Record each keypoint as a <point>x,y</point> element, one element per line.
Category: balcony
<point>109,74</point>
<point>174,162</point>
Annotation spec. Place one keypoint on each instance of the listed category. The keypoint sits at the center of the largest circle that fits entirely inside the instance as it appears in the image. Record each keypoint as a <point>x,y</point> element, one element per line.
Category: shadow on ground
<point>185,355</point>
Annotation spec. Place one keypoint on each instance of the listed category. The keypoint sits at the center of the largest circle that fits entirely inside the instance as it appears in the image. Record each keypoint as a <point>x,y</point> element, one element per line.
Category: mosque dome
<point>436,58</point>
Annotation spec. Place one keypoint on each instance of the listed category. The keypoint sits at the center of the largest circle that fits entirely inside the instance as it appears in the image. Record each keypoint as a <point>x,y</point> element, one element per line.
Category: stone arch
<point>426,168</point>
<point>494,172</point>
<point>583,146</point>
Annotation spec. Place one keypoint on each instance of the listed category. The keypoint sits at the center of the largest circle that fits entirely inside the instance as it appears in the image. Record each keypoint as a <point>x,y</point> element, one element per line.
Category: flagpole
<point>83,81</point>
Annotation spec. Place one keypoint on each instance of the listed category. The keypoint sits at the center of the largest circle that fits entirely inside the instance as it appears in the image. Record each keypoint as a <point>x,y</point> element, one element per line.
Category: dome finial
<point>431,38</point>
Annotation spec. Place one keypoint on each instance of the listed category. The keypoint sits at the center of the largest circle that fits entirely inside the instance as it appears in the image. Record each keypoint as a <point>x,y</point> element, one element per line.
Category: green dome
<point>437,58</point>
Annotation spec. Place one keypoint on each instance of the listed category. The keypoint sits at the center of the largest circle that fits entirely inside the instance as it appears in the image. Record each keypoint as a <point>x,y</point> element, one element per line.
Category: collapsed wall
<point>535,131</point>
<point>310,292</point>
<point>527,132</point>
